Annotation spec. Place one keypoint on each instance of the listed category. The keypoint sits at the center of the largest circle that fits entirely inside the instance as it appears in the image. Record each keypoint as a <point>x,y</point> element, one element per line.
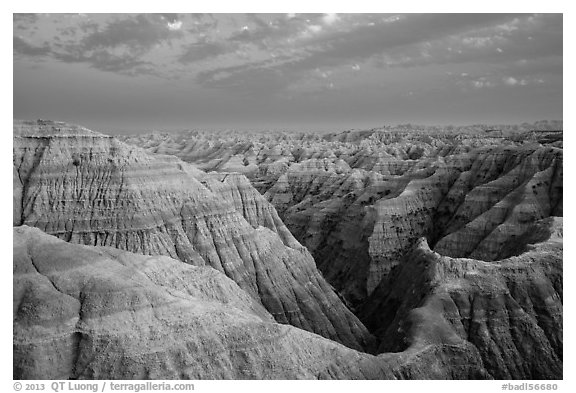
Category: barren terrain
<point>383,254</point>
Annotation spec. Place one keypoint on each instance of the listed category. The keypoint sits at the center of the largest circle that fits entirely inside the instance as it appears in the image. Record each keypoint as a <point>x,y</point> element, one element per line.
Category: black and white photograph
<point>286,196</point>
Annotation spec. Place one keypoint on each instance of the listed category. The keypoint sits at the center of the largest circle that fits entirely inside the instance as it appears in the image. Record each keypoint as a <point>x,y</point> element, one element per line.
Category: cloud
<point>99,59</point>
<point>104,60</point>
<point>176,25</point>
<point>482,82</point>
<point>502,43</point>
<point>359,41</point>
<point>510,81</point>
<point>139,34</point>
<point>330,18</point>
<point>255,80</point>
<point>496,79</point>
<point>24,21</point>
<point>268,35</point>
<point>315,28</point>
<point>20,46</point>
<point>118,45</point>
<point>202,50</point>
<point>365,41</point>
<point>291,47</point>
<point>478,42</point>
<point>171,18</point>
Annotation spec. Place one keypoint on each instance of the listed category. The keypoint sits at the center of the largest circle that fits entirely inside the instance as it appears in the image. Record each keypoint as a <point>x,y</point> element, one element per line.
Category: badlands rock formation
<point>448,247</point>
<point>86,312</point>
<point>89,188</point>
<point>101,313</point>
<point>359,200</point>
<point>510,310</point>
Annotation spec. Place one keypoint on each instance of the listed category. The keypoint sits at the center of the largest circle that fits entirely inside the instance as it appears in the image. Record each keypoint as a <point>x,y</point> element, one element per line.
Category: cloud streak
<point>342,66</point>
<point>414,40</point>
<point>303,42</point>
<point>119,45</point>
<point>22,47</point>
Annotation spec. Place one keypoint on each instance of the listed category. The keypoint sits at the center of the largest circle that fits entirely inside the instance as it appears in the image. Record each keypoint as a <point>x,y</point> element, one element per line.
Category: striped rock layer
<point>88,188</point>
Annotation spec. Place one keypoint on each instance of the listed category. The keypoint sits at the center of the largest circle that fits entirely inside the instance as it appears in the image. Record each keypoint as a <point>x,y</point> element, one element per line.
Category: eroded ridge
<point>359,200</point>
<point>102,313</point>
<point>98,191</point>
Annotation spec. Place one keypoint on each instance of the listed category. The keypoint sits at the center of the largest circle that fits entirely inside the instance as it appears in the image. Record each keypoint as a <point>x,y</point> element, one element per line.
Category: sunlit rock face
<point>91,189</point>
<point>359,200</point>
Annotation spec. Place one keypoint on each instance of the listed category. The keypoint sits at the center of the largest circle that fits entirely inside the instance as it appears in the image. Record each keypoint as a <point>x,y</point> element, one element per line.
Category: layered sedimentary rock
<point>449,248</point>
<point>85,312</point>
<point>89,188</point>
<point>475,206</point>
<point>510,310</point>
<point>359,224</point>
<point>517,187</point>
<point>98,312</point>
<point>237,191</point>
<point>359,200</point>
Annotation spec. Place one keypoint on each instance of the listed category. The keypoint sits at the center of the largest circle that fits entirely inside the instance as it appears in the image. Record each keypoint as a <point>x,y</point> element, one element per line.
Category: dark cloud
<point>21,47</point>
<point>524,38</point>
<point>31,18</point>
<point>412,40</point>
<point>306,66</point>
<point>139,34</point>
<point>201,23</point>
<point>171,18</point>
<point>254,79</point>
<point>552,65</point>
<point>88,27</point>
<point>369,40</point>
<point>202,50</point>
<point>237,75</point>
<point>106,61</point>
<point>265,34</point>
<point>24,21</point>
<point>69,31</point>
<point>271,34</point>
<point>117,46</point>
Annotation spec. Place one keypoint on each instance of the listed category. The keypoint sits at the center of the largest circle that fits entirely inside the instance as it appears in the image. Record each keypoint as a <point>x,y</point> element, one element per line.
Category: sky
<point>140,72</point>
